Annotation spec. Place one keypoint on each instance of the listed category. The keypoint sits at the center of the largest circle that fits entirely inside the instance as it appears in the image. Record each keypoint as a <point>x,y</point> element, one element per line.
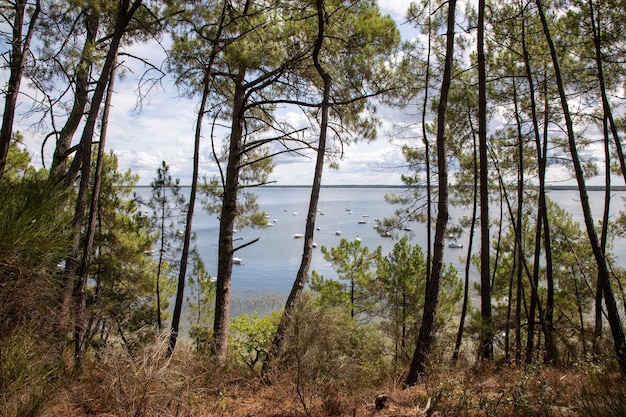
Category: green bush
<point>26,371</point>
<point>329,357</point>
<point>251,335</point>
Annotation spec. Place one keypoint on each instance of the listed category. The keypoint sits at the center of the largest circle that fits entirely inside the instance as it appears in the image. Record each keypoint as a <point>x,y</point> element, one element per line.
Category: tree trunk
<point>426,333</point>
<point>603,272</point>
<point>486,331</point>
<point>184,258</point>
<point>307,253</point>
<point>519,247</point>
<point>161,261</point>
<point>606,105</point>
<point>81,314</point>
<point>542,211</point>
<point>429,200</point>
<point>468,258</point>
<point>227,222</point>
<point>20,46</point>
<point>81,97</point>
<point>82,160</point>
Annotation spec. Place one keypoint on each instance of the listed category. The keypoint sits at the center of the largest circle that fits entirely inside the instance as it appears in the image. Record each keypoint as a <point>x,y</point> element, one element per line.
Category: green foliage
<point>18,162</point>
<point>121,295</point>
<point>251,335</point>
<point>403,278</point>
<point>357,265</point>
<point>390,288</point>
<point>605,394</point>
<point>327,352</point>
<point>34,224</point>
<point>200,299</point>
<point>248,209</point>
<point>168,222</point>
<point>330,292</point>
<point>26,374</point>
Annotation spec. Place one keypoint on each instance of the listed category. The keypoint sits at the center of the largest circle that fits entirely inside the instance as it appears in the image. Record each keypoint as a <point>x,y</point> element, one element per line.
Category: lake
<point>269,266</point>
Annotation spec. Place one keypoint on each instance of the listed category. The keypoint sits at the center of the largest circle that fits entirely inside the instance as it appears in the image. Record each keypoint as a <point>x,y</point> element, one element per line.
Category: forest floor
<point>492,391</point>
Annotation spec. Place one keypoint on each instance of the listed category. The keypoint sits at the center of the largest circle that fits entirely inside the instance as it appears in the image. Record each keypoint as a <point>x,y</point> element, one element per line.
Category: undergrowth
<point>189,384</point>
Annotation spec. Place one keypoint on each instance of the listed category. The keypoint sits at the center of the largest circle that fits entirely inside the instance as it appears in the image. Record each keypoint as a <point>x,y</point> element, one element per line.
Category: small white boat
<point>315,244</point>
<point>298,236</point>
<point>338,233</point>
<point>237,261</point>
<point>455,245</point>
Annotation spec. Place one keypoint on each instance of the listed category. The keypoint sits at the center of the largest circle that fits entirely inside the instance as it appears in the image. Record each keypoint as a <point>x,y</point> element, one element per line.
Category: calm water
<point>270,265</point>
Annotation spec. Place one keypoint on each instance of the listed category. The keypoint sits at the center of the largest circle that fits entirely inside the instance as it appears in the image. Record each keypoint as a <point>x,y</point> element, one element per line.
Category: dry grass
<point>189,385</point>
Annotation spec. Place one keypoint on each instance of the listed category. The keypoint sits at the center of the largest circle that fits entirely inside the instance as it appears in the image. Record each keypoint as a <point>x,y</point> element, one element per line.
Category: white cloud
<point>164,131</point>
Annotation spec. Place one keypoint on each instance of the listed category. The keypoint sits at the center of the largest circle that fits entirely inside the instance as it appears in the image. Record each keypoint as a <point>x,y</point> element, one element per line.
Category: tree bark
<point>81,314</point>
<point>184,258</point>
<point>486,332</point>
<point>426,333</point>
<point>603,272</point>
<point>307,253</point>
<point>20,46</point>
<point>227,221</point>
<point>468,258</point>
<point>82,161</point>
<point>606,105</point>
<point>81,97</point>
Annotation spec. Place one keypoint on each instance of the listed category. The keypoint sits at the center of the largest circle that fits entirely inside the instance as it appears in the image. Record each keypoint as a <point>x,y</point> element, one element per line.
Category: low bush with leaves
<point>330,358</point>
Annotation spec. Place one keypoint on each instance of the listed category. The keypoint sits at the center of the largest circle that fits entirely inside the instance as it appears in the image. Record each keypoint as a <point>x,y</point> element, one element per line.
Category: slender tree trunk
<point>82,160</point>
<point>307,253</point>
<point>20,47</point>
<point>184,258</point>
<point>81,314</point>
<point>468,257</point>
<point>426,333</point>
<point>227,222</point>
<point>519,247</point>
<point>486,332</point>
<point>603,240</point>
<point>81,96</point>
<point>603,273</point>
<point>581,315</point>
<point>540,310</point>
<point>429,202</point>
<point>542,211</point>
<point>606,105</point>
<point>530,334</point>
<point>126,11</point>
<point>160,262</point>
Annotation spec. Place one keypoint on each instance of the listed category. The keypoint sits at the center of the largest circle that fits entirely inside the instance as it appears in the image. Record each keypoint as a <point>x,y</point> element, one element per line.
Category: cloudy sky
<point>163,131</point>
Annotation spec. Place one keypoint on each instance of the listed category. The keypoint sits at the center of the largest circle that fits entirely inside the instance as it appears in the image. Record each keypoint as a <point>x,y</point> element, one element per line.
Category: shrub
<point>25,374</point>
<point>147,384</point>
<point>329,358</point>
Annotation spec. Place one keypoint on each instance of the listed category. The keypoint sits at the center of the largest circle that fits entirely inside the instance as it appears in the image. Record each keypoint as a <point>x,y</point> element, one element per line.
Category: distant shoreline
<point>549,187</point>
